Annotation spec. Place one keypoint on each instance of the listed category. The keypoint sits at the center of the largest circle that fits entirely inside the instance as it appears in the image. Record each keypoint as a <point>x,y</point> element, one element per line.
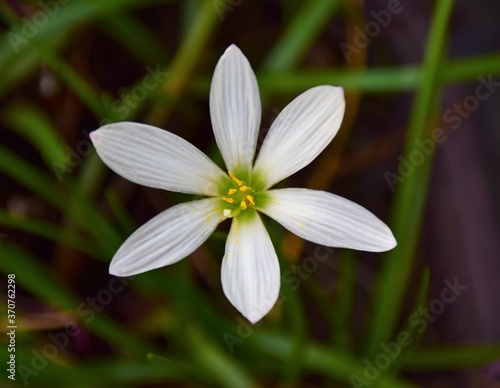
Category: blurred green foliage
<point>183,338</point>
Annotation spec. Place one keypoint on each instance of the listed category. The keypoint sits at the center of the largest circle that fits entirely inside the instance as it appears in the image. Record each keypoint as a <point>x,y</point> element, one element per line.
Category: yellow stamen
<point>238,182</point>
<point>239,195</point>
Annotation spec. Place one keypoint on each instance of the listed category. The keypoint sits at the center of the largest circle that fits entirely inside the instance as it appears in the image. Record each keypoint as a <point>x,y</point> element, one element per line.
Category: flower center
<point>240,197</point>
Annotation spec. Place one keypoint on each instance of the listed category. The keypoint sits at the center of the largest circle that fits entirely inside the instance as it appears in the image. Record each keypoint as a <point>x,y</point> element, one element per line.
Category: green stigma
<point>239,198</point>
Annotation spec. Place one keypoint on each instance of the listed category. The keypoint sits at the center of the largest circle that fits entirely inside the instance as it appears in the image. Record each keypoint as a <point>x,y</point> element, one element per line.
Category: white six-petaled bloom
<point>250,271</point>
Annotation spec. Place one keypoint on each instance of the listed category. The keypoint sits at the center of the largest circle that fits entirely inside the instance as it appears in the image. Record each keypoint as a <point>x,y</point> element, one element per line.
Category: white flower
<point>250,271</point>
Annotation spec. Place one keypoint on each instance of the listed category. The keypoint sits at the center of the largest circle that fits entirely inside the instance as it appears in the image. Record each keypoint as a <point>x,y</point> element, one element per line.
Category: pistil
<point>239,197</point>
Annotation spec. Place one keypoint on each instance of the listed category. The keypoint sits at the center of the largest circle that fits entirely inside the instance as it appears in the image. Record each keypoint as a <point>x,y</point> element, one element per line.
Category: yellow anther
<point>239,195</point>
<point>238,182</point>
<point>250,199</point>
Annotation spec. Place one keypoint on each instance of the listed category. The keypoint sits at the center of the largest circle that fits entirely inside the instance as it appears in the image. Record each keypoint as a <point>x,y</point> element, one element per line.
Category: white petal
<point>328,219</point>
<point>235,109</point>
<point>250,269</point>
<point>301,131</point>
<point>156,158</point>
<point>167,238</point>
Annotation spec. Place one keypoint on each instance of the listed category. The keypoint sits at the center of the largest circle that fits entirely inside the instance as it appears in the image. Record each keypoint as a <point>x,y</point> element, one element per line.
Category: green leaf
<point>342,313</point>
<point>445,357</point>
<point>50,231</point>
<point>215,362</point>
<point>36,127</point>
<point>36,279</point>
<point>410,197</point>
<point>30,177</point>
<point>320,359</point>
<point>86,215</point>
<point>308,22</point>
<point>120,212</point>
<point>20,59</point>
<point>131,34</point>
<point>189,54</point>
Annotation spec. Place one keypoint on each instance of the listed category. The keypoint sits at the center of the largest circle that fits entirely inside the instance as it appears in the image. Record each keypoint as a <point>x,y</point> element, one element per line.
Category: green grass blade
<point>22,60</point>
<point>292,306</point>
<point>374,80</point>
<point>87,216</point>
<point>342,313</point>
<point>36,279</point>
<point>49,231</point>
<point>410,196</point>
<point>126,222</point>
<point>53,373</point>
<point>36,127</point>
<point>409,346</point>
<point>317,358</point>
<point>131,34</point>
<point>74,81</point>
<point>224,370</point>
<point>453,357</point>
<point>30,177</point>
<point>308,22</point>
<point>17,68</point>
<point>470,68</point>
<point>190,52</point>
